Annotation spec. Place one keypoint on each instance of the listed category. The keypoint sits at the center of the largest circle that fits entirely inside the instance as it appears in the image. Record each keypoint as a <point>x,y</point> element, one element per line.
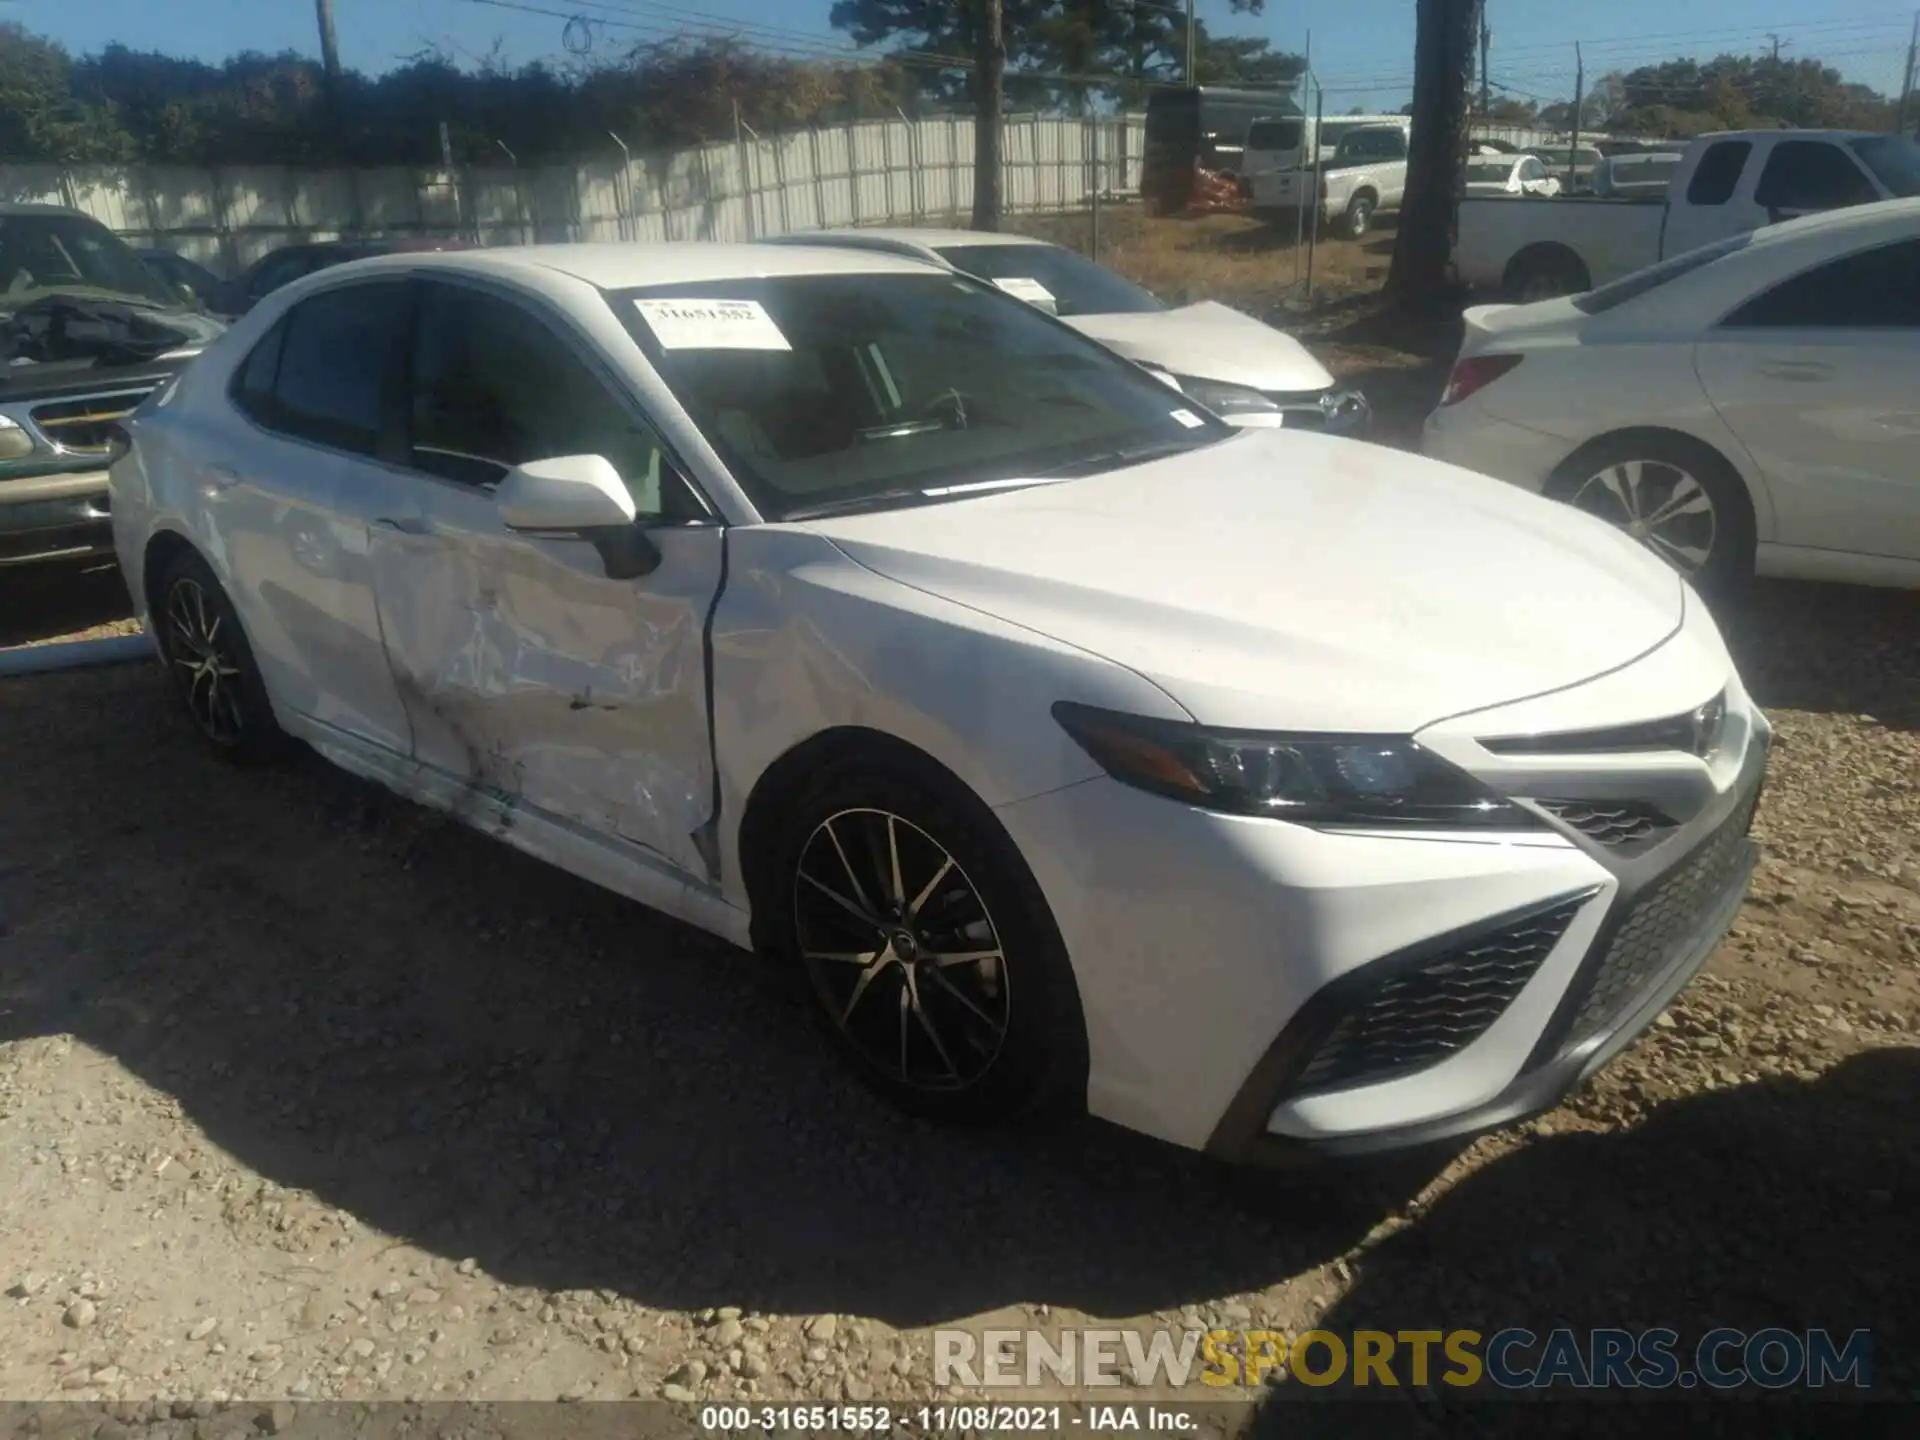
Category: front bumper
<point>1215,955</point>
<point>54,517</point>
<point>1338,411</point>
<point>1653,939</point>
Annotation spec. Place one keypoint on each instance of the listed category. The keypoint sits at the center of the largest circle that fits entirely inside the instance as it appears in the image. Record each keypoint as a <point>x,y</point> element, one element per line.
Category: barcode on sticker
<point>694,324</point>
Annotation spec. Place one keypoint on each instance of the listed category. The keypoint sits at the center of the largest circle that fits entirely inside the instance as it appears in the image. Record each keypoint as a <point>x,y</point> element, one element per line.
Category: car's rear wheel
<point>209,664</point>
<point>1357,219</point>
<point>1545,273</point>
<point>1676,496</point>
<point>931,957</point>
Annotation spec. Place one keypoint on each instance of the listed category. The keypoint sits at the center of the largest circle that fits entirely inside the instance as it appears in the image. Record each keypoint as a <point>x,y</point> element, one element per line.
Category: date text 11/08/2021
<point>957,1418</point>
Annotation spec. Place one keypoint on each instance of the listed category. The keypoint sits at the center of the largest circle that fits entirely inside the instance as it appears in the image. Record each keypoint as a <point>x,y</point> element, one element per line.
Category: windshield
<point>51,254</point>
<point>1894,161</point>
<point>1491,171</point>
<point>1078,287</point>
<point>830,389</point>
<point>1631,287</point>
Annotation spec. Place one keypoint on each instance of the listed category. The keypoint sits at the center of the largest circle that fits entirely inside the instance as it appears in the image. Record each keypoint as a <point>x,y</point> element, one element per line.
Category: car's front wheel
<point>931,957</point>
<point>1675,495</point>
<point>209,663</point>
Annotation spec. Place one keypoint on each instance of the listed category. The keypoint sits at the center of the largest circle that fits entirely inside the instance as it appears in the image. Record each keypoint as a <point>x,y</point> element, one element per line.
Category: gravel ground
<point>306,1093</point>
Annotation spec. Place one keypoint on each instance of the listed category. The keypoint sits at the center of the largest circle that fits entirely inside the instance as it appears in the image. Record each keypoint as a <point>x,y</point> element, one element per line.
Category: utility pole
<point>1579,104</point>
<point>1486,43</point>
<point>1776,46</point>
<point>329,41</point>
<point>1189,42</point>
<point>1906,86</point>
<point>989,85</point>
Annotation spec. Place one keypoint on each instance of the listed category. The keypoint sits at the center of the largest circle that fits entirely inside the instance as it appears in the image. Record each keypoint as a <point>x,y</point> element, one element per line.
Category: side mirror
<point>579,496</point>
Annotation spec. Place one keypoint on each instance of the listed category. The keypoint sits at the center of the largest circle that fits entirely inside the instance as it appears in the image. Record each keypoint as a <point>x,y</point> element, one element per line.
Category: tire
<point>1630,478</point>
<point>1545,274</point>
<point>1357,219</point>
<point>987,1039</point>
<point>210,665</point>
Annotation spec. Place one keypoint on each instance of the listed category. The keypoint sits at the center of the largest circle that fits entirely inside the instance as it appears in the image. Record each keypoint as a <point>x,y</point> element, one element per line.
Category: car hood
<point>1295,581</point>
<point>1211,341</point>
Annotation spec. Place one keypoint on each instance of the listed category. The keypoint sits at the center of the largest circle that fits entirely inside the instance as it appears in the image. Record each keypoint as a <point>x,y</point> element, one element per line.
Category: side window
<point>1532,170</point>
<point>494,386</point>
<point>1872,290</point>
<point>253,382</point>
<point>1812,175</point>
<point>338,364</point>
<point>1718,173</point>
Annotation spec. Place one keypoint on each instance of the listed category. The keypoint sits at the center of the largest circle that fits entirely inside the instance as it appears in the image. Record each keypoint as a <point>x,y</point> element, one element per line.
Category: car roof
<point>1898,216</point>
<point>24,207</point>
<point>615,266</point>
<point>931,237</point>
<point>1776,133</point>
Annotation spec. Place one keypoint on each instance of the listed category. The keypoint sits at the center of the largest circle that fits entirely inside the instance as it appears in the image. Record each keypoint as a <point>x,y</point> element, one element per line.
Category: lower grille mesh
<point>1663,920</point>
<point>1423,1015</point>
<point>1624,825</point>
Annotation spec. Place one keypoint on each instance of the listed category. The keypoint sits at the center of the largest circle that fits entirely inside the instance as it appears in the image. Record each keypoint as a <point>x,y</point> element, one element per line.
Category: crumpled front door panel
<point>530,674</point>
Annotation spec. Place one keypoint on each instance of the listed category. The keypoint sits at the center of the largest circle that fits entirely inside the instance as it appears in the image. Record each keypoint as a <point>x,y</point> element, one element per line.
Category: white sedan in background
<point>1248,373</point>
<point>1522,176</point>
<point>1750,406</point>
<point>1255,790</point>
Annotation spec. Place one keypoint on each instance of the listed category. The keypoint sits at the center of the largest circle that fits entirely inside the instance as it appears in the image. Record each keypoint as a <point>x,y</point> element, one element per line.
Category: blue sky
<point>1362,49</point>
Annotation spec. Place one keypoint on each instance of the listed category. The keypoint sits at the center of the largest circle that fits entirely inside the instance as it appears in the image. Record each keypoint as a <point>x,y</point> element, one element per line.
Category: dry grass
<point>1235,259</point>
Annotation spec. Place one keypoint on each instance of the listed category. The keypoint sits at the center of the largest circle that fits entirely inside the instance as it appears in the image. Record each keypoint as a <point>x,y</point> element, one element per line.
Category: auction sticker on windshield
<point>711,325</point>
<point>1022,288</point>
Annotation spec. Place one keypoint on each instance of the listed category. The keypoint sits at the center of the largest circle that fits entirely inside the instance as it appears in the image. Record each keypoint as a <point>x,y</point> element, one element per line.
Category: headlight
<point>1366,780</point>
<point>15,443</point>
<point>1225,399</point>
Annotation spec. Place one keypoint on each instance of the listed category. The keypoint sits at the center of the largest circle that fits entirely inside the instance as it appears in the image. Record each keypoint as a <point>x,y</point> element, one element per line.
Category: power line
<point>813,52</point>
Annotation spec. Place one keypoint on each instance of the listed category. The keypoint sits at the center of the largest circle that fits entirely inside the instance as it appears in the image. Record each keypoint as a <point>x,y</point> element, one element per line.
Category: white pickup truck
<point>1726,184</point>
<point>1366,176</point>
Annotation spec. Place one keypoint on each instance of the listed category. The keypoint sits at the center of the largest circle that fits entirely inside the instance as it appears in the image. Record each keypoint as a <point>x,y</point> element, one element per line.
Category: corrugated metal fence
<point>867,172</point>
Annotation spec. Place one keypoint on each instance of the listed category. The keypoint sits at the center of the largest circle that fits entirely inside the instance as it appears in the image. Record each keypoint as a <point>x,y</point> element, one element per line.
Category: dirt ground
<point>306,1093</point>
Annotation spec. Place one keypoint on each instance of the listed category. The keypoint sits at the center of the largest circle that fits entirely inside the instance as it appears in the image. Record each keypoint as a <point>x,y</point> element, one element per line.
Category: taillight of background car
<point>1474,374</point>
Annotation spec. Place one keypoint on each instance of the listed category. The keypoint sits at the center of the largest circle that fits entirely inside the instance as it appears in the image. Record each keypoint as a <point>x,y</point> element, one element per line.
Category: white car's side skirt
<point>1801,562</point>
<point>605,860</point>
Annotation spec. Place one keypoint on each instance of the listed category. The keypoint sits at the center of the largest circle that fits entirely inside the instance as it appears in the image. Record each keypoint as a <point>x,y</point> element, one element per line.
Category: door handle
<point>405,525</point>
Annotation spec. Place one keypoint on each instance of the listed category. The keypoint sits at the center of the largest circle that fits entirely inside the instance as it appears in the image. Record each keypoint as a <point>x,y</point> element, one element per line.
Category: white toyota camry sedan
<point>1264,792</point>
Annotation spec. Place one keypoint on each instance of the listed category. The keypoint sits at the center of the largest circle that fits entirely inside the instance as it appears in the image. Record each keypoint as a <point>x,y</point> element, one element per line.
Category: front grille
<point>1626,826</point>
<point>1662,922</point>
<point>1422,1015</point>
<point>1695,733</point>
<point>83,424</point>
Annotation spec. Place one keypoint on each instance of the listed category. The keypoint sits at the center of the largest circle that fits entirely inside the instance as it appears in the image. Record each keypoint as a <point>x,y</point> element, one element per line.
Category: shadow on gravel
<point>1832,649</point>
<point>39,602</point>
<point>1783,1203</point>
<point>485,1056</point>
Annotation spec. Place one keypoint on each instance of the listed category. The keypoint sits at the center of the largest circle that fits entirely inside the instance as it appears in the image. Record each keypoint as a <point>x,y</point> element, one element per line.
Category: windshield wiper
<point>855,504</point>
<point>904,497</point>
<point>1119,459</point>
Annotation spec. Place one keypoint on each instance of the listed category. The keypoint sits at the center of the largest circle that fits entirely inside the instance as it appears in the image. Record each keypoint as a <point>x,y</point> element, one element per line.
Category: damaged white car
<point>1070,745</point>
